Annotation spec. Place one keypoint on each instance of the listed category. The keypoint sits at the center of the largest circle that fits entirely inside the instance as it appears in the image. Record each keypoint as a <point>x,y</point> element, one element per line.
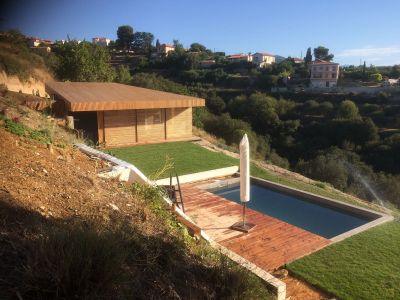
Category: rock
<point>282,273</point>
<point>42,207</point>
<point>45,171</point>
<point>113,206</point>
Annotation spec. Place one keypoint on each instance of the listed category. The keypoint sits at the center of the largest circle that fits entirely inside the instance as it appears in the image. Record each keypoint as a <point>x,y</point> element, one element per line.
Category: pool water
<point>321,219</point>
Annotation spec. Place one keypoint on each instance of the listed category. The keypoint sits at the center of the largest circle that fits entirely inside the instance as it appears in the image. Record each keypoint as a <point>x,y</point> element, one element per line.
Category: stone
<point>282,273</point>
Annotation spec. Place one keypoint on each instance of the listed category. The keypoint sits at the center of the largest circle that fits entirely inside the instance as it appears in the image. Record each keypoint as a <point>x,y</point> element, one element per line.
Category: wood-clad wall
<point>119,127</point>
<point>128,127</point>
<point>179,123</point>
<point>150,125</point>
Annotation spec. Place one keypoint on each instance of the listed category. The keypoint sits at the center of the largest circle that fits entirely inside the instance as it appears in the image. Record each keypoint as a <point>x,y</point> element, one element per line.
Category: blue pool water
<point>320,219</point>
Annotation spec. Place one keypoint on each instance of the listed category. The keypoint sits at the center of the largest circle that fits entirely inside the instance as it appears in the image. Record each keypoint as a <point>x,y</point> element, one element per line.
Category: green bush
<point>20,129</point>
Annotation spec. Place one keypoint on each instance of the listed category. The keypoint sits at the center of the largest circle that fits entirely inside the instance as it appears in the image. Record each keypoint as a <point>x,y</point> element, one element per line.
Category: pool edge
<point>378,217</point>
<point>375,217</point>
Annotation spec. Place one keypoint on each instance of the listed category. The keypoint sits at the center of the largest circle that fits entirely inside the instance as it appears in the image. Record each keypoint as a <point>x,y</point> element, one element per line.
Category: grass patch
<point>186,157</point>
<point>365,266</point>
<point>19,129</point>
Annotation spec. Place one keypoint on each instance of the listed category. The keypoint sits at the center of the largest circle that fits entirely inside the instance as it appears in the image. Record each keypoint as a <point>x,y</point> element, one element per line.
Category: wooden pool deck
<point>269,245</point>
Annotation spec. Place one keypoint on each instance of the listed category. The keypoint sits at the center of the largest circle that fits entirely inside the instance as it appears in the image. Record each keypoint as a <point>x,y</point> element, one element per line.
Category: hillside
<point>21,68</point>
<point>66,233</point>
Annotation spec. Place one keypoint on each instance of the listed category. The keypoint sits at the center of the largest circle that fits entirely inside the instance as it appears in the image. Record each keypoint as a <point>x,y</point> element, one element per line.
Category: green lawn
<point>365,266</point>
<point>186,157</point>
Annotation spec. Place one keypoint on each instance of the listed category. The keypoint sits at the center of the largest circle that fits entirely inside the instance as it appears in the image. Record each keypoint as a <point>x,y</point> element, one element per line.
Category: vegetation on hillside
<point>331,138</point>
<point>340,139</point>
<point>16,58</point>
<point>83,62</point>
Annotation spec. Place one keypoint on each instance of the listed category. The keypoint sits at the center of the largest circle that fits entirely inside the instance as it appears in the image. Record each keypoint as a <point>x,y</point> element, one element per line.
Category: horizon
<point>355,33</point>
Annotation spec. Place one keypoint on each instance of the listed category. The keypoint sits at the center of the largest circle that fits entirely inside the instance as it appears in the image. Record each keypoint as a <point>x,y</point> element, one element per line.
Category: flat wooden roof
<point>99,96</point>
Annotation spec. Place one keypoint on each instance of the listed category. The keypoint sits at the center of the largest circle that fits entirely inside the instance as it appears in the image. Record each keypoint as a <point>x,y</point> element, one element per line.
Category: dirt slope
<point>61,184</point>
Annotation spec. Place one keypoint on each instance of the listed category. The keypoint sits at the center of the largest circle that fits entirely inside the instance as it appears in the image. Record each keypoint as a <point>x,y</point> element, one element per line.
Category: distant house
<point>115,114</point>
<point>239,57</point>
<point>102,41</point>
<point>164,49</point>
<point>261,59</point>
<point>207,63</point>
<point>297,60</point>
<point>324,74</point>
<point>37,42</point>
<point>390,82</point>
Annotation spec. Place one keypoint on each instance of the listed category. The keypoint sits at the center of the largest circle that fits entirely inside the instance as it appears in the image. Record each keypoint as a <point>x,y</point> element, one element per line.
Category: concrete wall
<point>201,176</point>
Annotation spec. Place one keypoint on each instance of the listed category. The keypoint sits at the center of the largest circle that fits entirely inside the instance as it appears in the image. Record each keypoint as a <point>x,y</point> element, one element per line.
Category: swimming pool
<point>318,217</point>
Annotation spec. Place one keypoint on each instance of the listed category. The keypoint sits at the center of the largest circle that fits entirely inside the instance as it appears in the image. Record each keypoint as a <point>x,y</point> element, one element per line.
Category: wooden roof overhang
<point>101,96</point>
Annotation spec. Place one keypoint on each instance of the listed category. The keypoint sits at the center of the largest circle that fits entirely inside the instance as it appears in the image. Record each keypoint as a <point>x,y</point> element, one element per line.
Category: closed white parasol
<point>244,183</point>
<point>244,169</point>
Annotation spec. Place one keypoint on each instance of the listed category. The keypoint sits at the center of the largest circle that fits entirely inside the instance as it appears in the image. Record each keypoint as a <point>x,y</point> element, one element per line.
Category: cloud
<point>370,52</point>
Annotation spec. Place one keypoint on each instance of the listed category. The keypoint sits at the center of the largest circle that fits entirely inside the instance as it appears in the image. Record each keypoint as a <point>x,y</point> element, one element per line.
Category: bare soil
<point>62,184</point>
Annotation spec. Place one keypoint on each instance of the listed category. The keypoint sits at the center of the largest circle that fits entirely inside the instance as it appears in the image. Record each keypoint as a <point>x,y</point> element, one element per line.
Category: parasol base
<point>243,227</point>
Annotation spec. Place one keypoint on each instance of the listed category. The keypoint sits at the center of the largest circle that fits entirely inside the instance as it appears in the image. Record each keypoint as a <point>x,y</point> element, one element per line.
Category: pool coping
<point>376,217</point>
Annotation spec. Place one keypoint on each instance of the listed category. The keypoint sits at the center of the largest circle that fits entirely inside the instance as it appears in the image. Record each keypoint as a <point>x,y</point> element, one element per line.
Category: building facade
<point>239,57</point>
<point>102,41</point>
<point>164,49</point>
<point>262,59</point>
<point>324,74</point>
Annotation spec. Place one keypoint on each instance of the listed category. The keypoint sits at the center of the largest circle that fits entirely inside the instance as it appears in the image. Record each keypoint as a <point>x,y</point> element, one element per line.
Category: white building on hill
<point>262,59</point>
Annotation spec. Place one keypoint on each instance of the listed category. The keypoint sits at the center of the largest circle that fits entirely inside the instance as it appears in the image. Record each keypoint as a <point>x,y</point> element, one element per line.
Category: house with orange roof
<point>37,42</point>
<point>239,57</point>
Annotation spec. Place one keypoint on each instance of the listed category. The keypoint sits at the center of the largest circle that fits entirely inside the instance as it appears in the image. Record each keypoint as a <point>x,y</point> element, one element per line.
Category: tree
<point>215,104</point>
<point>196,47</point>
<point>395,72</point>
<point>158,44</point>
<point>123,75</point>
<point>308,57</point>
<point>178,47</point>
<point>84,62</point>
<point>322,53</point>
<point>364,69</point>
<point>377,77</point>
<point>142,41</point>
<point>125,37</point>
<point>348,110</point>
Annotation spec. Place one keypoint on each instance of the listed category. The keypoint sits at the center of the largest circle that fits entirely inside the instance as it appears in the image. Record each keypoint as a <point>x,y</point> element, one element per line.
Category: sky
<point>353,30</point>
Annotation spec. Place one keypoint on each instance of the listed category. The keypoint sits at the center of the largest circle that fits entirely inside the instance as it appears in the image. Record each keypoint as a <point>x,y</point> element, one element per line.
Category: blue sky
<point>353,30</point>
